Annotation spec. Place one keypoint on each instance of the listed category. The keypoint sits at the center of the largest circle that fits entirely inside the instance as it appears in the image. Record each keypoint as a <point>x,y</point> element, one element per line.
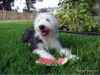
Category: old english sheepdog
<point>44,35</point>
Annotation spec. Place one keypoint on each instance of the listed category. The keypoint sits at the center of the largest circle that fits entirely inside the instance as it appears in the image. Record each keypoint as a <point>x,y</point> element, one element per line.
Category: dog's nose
<point>41,27</point>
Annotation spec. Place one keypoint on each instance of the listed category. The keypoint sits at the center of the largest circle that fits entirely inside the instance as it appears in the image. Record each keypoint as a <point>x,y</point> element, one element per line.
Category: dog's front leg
<point>44,56</point>
<point>63,51</point>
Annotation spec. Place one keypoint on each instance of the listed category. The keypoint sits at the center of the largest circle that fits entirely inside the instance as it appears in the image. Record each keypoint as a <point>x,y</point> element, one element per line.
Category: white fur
<point>51,40</point>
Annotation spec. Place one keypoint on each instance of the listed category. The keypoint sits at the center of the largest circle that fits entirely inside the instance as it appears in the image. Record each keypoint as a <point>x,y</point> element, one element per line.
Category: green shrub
<point>76,14</point>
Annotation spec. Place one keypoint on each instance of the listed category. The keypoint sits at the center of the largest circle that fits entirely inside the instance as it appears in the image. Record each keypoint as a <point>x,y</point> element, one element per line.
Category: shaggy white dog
<point>45,26</point>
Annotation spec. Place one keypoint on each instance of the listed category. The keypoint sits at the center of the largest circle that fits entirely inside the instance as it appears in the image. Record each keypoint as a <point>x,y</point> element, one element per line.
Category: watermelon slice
<point>51,62</point>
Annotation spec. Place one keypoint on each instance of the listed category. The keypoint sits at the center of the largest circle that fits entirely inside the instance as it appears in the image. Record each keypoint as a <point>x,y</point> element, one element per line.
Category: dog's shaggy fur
<point>44,35</point>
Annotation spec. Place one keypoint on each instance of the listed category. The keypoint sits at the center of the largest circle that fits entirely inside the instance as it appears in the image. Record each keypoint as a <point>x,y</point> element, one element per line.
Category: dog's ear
<point>27,35</point>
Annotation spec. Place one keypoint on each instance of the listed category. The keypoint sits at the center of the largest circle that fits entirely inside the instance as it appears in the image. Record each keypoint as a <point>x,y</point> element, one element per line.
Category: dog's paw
<point>73,57</point>
<point>66,53</point>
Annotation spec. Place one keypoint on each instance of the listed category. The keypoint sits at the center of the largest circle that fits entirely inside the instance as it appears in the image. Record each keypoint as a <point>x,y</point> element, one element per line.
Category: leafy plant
<point>76,15</point>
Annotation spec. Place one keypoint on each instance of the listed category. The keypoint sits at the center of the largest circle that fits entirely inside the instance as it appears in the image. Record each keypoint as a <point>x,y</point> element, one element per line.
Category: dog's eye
<point>48,20</point>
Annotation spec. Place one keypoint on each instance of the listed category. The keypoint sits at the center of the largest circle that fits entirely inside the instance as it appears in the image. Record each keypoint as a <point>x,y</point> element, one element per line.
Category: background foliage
<point>76,15</point>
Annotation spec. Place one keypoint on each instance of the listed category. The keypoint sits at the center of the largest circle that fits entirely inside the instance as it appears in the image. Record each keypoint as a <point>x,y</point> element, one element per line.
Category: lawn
<point>17,58</point>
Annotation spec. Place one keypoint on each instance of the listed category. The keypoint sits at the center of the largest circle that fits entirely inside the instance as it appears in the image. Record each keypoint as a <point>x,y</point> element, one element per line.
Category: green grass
<point>17,58</point>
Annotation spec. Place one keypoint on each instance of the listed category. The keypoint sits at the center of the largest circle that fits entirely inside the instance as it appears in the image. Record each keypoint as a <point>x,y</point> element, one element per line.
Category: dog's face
<point>45,24</point>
